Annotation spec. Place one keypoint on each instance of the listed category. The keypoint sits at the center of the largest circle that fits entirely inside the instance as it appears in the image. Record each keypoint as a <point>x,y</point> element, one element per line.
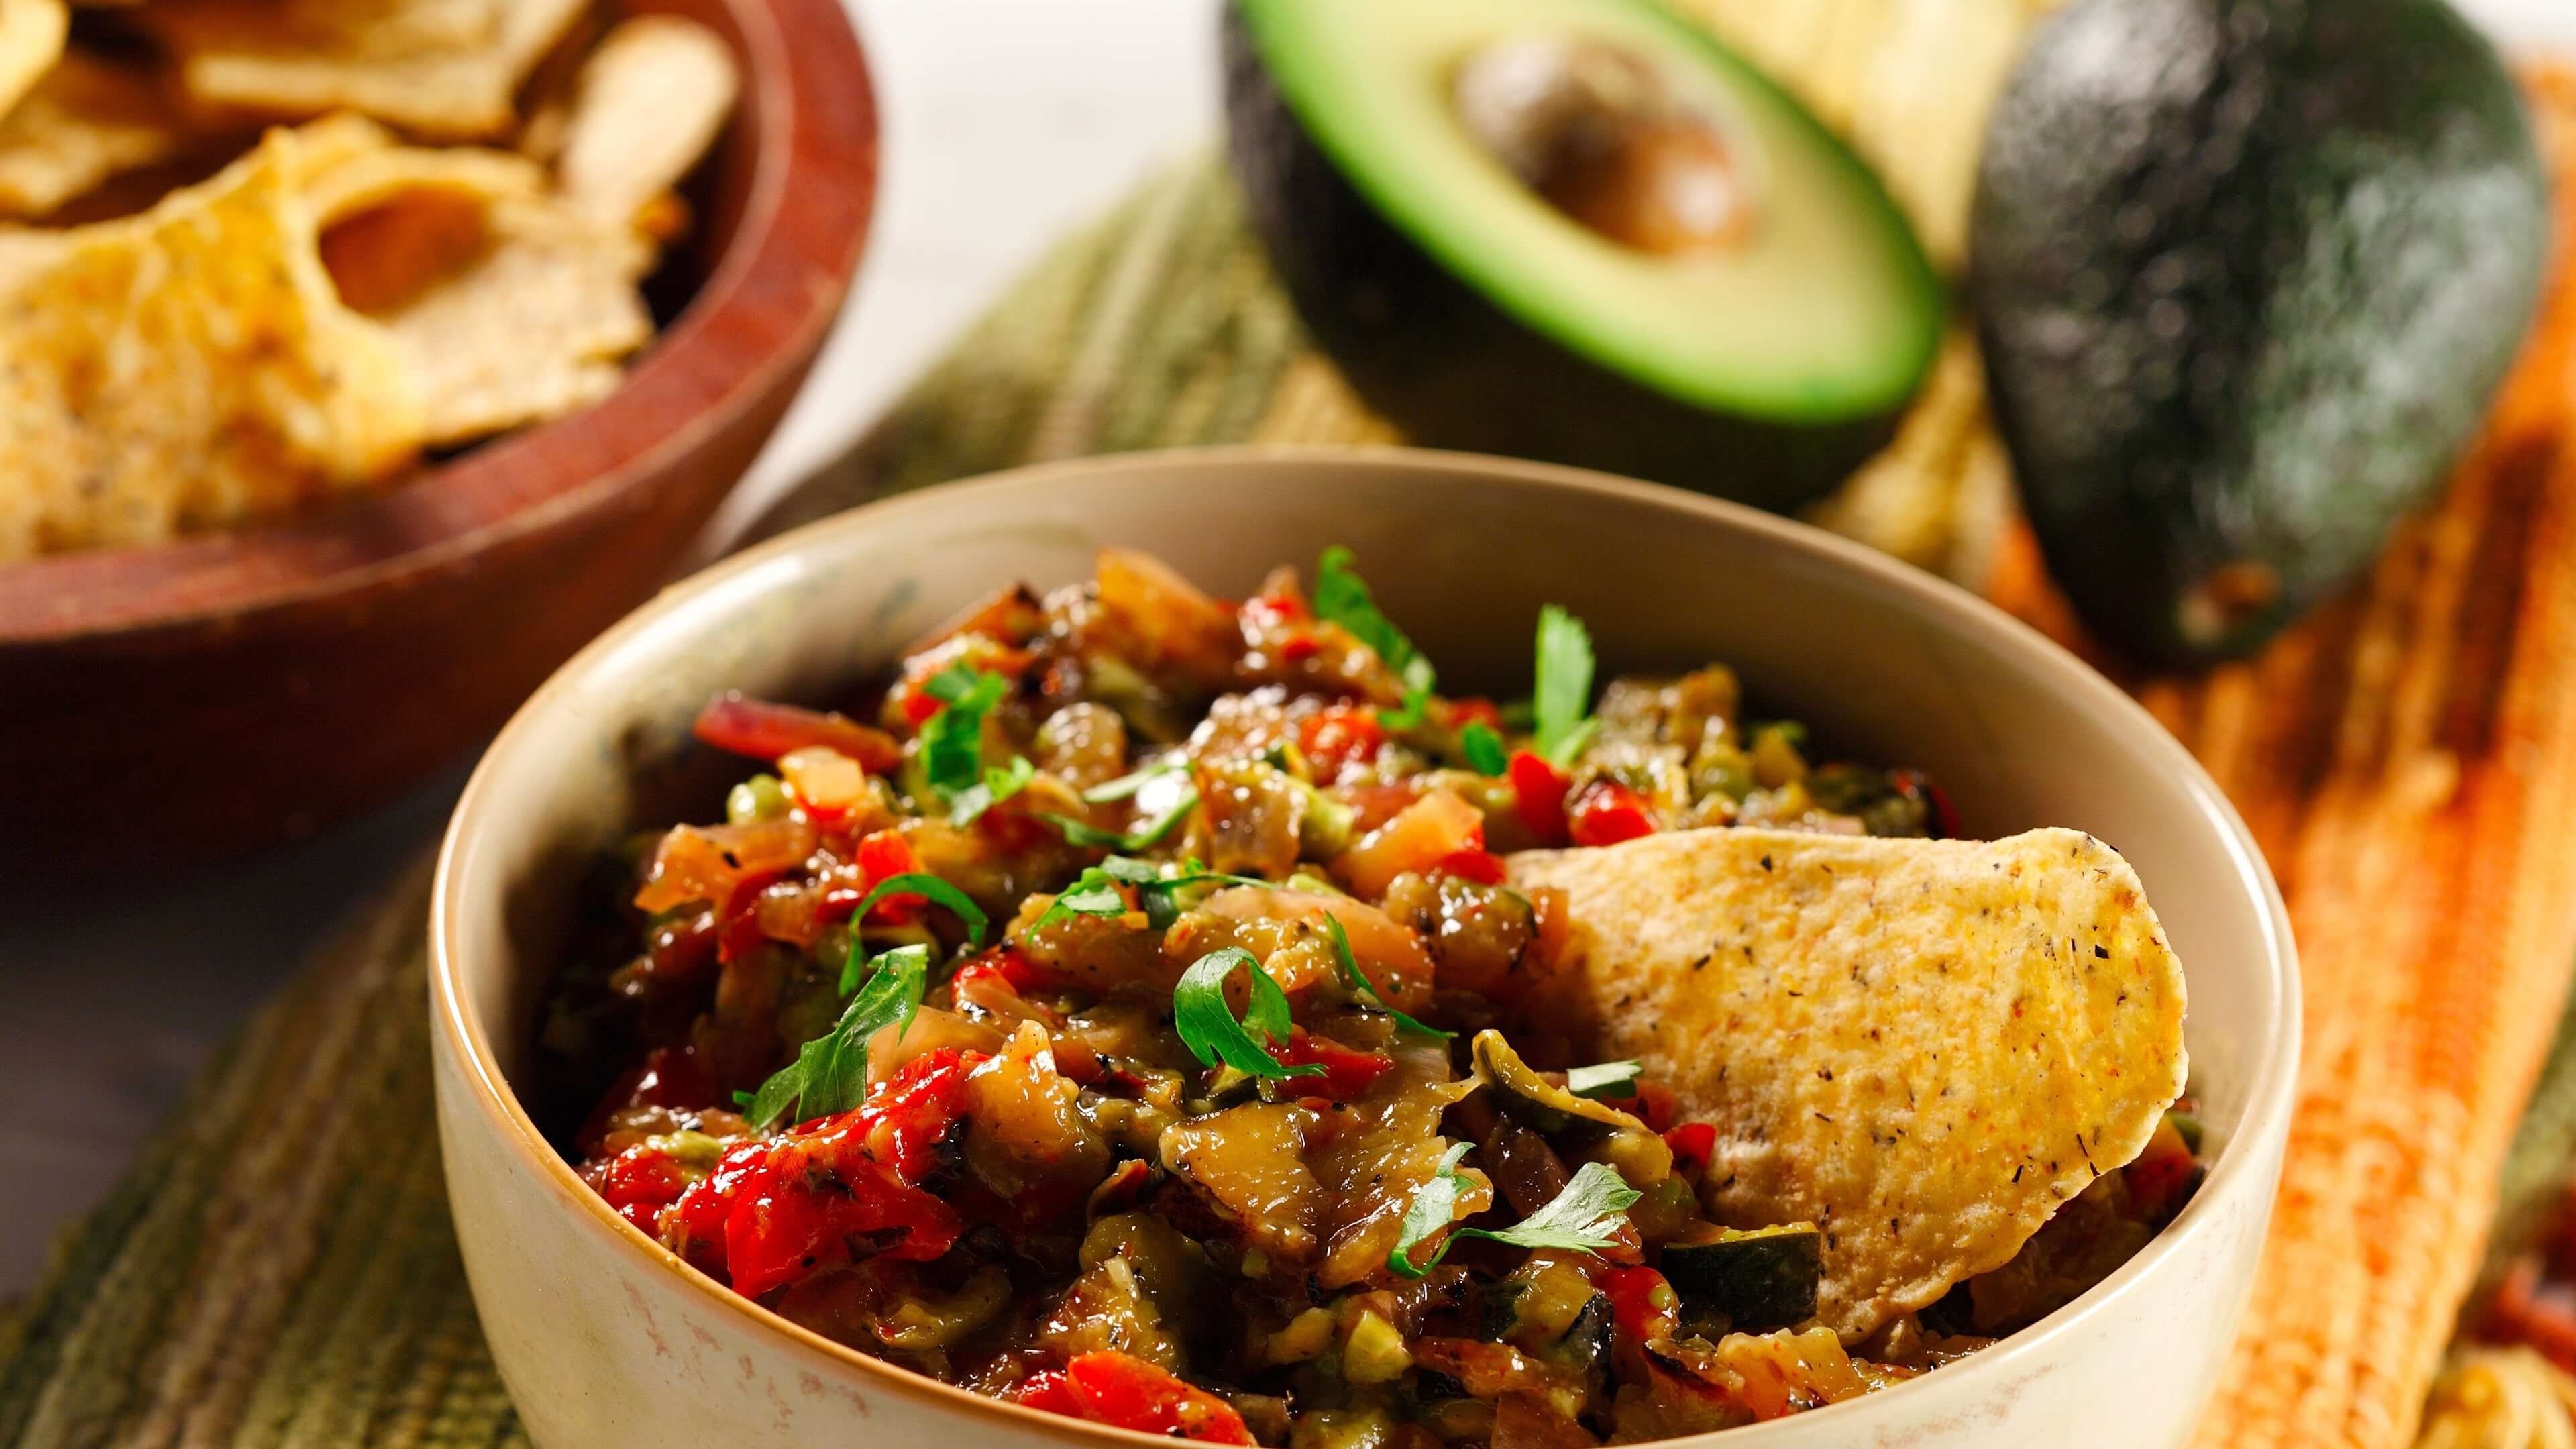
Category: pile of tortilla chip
<point>254,253</point>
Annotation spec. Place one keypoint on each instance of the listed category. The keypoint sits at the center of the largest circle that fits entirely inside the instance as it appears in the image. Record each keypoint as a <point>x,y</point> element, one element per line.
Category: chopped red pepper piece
<point>1338,738</point>
<point>1643,1305</point>
<point>641,1181</point>
<point>1347,1070</point>
<point>1606,812</point>
<point>1482,866</point>
<point>856,1175</point>
<point>1049,1390</point>
<point>1128,1393</point>
<point>1538,795</point>
<point>756,728</point>
<point>1693,1143</point>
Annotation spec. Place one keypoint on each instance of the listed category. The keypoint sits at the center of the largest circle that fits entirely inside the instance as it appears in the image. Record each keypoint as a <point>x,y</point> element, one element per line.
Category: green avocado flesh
<point>2247,274</point>
<point>1474,313</point>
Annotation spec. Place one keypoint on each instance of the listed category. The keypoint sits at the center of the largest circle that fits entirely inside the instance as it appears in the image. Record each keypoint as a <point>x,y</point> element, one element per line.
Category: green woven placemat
<point>278,1268</point>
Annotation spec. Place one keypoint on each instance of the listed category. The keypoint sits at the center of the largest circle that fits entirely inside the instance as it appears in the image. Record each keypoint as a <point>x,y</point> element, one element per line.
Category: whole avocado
<point>2247,274</point>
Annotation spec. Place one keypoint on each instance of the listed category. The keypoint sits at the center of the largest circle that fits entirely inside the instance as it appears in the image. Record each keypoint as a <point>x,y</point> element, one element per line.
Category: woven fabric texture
<point>279,1268</point>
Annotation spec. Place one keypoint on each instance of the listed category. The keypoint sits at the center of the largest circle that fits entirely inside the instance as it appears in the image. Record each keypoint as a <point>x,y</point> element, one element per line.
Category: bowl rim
<point>810,108</point>
<point>2269,1097</point>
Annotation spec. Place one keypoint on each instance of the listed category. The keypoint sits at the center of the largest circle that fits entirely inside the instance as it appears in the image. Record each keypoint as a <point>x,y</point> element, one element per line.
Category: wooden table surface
<point>1007,120</point>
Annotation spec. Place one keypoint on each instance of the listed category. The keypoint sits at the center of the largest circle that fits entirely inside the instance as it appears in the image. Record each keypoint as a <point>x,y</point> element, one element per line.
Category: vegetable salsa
<point>1128,1013</point>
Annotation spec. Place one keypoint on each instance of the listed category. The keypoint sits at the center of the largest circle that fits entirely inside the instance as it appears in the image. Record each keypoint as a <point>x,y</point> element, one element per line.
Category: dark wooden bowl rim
<point>804,220</point>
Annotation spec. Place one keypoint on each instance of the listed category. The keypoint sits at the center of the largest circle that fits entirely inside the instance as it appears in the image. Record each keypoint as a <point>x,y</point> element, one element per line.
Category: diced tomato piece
<point>1128,1393</point>
<point>1339,738</point>
<point>1606,812</point>
<point>1347,1070</point>
<point>1693,1143</point>
<point>1538,795</point>
<point>1482,866</point>
<point>765,731</point>
<point>1049,1390</point>
<point>1643,1305</point>
<point>1475,710</point>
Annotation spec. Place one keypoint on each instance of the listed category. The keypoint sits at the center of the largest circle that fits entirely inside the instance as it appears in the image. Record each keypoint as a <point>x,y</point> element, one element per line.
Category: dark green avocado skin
<point>1452,370</point>
<point>2247,274</point>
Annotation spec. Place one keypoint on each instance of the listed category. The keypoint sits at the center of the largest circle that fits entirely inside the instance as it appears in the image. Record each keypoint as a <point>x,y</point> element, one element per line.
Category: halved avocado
<point>1578,230</point>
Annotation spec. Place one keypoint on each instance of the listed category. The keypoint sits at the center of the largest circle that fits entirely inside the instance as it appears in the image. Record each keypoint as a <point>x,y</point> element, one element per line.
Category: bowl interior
<point>1882,662</point>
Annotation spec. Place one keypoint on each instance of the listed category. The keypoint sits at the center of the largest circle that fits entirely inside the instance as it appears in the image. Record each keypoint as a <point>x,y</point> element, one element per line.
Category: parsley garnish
<point>1564,690</point>
<point>1144,837</point>
<point>830,1073</point>
<point>1583,1219</point>
<point>912,883</point>
<point>1000,783</point>
<point>952,741</point>
<point>1208,1027</point>
<point>1483,748</point>
<point>1607,1079</point>
<point>1342,597</point>
<point>1359,981</point>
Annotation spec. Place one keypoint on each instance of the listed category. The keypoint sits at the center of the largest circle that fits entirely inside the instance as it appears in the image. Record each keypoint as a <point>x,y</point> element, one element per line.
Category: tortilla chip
<point>192,366</point>
<point>31,40</point>
<point>88,120</point>
<point>439,68</point>
<point>1922,1046</point>
<point>507,304</point>
<point>23,251</point>
<point>652,99</point>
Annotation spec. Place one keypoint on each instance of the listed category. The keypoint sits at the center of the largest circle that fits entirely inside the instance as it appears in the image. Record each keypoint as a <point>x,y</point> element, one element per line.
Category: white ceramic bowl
<point>605,1339</point>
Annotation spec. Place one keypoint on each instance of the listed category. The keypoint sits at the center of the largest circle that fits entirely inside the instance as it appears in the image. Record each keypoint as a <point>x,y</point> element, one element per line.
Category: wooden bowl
<point>244,687</point>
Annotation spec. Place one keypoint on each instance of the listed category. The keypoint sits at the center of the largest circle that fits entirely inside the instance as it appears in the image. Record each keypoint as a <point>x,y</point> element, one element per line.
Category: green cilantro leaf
<point>1564,690</point>
<point>1000,783</point>
<point>1584,1218</point>
<point>914,883</point>
<point>830,1073</point>
<point>1606,1079</point>
<point>1144,837</point>
<point>1483,748</point>
<point>1094,894</point>
<point>1208,1027</point>
<point>1359,981</point>
<point>1342,597</point>
<point>1128,784</point>
<point>1433,1208</point>
<point>952,741</point>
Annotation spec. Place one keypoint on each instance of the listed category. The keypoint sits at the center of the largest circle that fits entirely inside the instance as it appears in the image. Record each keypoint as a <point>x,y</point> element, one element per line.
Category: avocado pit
<point>1601,135</point>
